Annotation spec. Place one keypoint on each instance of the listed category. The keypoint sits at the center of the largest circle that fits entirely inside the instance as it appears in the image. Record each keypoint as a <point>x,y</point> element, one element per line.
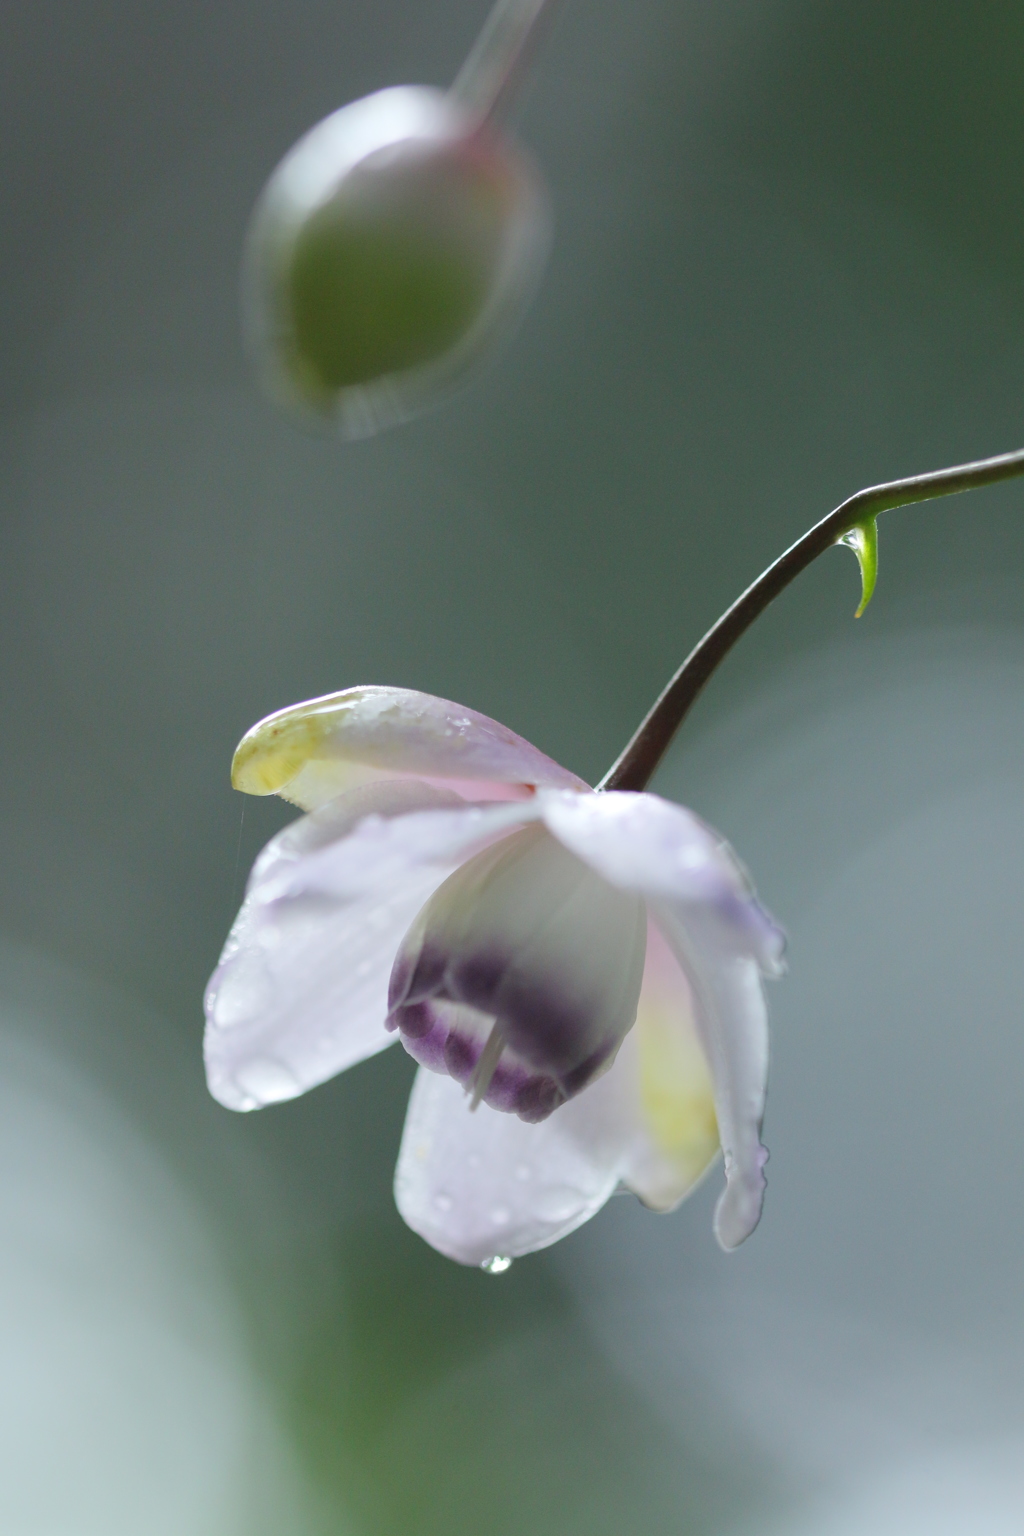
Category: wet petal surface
<point>484,1185</point>
<point>643,843</point>
<point>702,900</point>
<point>301,989</point>
<point>732,1019</point>
<point>310,752</point>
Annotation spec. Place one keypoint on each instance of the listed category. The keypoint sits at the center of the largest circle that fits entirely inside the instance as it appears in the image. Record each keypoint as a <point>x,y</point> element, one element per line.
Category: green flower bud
<point>394,245</point>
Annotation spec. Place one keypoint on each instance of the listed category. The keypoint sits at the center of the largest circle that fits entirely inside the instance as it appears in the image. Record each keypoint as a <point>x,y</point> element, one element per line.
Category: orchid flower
<point>578,974</point>
<point>398,241</point>
<point>576,971</point>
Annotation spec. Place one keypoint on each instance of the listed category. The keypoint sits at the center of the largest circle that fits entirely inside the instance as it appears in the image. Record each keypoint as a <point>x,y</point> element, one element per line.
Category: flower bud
<point>394,244</point>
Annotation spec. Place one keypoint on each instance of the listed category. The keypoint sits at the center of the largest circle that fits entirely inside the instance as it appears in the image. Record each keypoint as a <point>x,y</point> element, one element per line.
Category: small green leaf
<point>863,540</point>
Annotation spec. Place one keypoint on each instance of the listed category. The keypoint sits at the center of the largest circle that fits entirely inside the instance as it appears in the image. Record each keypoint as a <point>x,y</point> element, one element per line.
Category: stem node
<point>641,755</point>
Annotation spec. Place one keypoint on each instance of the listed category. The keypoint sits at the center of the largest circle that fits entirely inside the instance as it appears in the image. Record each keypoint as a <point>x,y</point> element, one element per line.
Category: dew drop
<point>266,1081</point>
<point>559,1202</point>
<point>237,1001</point>
<point>496,1266</point>
<point>443,1201</point>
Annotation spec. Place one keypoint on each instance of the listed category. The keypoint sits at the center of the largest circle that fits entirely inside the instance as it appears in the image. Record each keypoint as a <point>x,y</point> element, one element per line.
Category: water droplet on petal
<point>496,1266</point>
<point>267,1081</point>
<point>443,1201</point>
<point>558,1202</point>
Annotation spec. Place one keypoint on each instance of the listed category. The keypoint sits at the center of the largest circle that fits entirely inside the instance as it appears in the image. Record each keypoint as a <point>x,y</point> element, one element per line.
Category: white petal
<point>666,1081</point>
<point>643,843</point>
<point>313,751</point>
<point>481,1185</point>
<point>731,1017</point>
<point>701,898</point>
<point>301,989</point>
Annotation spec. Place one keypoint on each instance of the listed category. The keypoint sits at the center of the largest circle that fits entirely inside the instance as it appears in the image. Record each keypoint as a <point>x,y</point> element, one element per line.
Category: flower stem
<point>498,58</point>
<point>644,751</point>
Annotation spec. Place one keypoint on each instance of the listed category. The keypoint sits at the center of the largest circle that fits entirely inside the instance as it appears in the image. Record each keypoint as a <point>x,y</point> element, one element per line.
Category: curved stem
<point>642,754</point>
<point>499,56</point>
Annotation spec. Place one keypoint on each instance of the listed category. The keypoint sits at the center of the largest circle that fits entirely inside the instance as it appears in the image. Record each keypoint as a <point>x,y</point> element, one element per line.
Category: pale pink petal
<point>313,751</point>
<point>301,989</point>
<point>480,1185</point>
<point>701,898</point>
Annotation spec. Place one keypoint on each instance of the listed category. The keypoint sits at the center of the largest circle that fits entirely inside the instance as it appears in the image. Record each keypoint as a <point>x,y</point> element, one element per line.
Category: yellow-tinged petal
<point>677,1106</point>
<point>675,1090</point>
<point>270,755</point>
<point>312,751</point>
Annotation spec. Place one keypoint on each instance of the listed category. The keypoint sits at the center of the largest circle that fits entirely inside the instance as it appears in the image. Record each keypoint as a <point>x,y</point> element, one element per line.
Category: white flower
<point>577,973</point>
<point>395,243</point>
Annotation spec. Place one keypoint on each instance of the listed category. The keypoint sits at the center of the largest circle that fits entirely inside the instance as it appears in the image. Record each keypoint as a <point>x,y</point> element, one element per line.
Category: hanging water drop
<point>266,1081</point>
<point>496,1266</point>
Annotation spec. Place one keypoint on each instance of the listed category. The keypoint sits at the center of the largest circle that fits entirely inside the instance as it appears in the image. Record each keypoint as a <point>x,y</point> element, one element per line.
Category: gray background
<point>788,263</point>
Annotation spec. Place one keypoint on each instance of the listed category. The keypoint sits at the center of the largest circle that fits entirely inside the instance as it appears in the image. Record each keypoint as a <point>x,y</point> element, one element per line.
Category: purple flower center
<point>525,939</point>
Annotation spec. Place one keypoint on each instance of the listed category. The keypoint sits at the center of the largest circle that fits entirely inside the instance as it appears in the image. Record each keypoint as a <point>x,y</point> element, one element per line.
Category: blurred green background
<point>788,263</point>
